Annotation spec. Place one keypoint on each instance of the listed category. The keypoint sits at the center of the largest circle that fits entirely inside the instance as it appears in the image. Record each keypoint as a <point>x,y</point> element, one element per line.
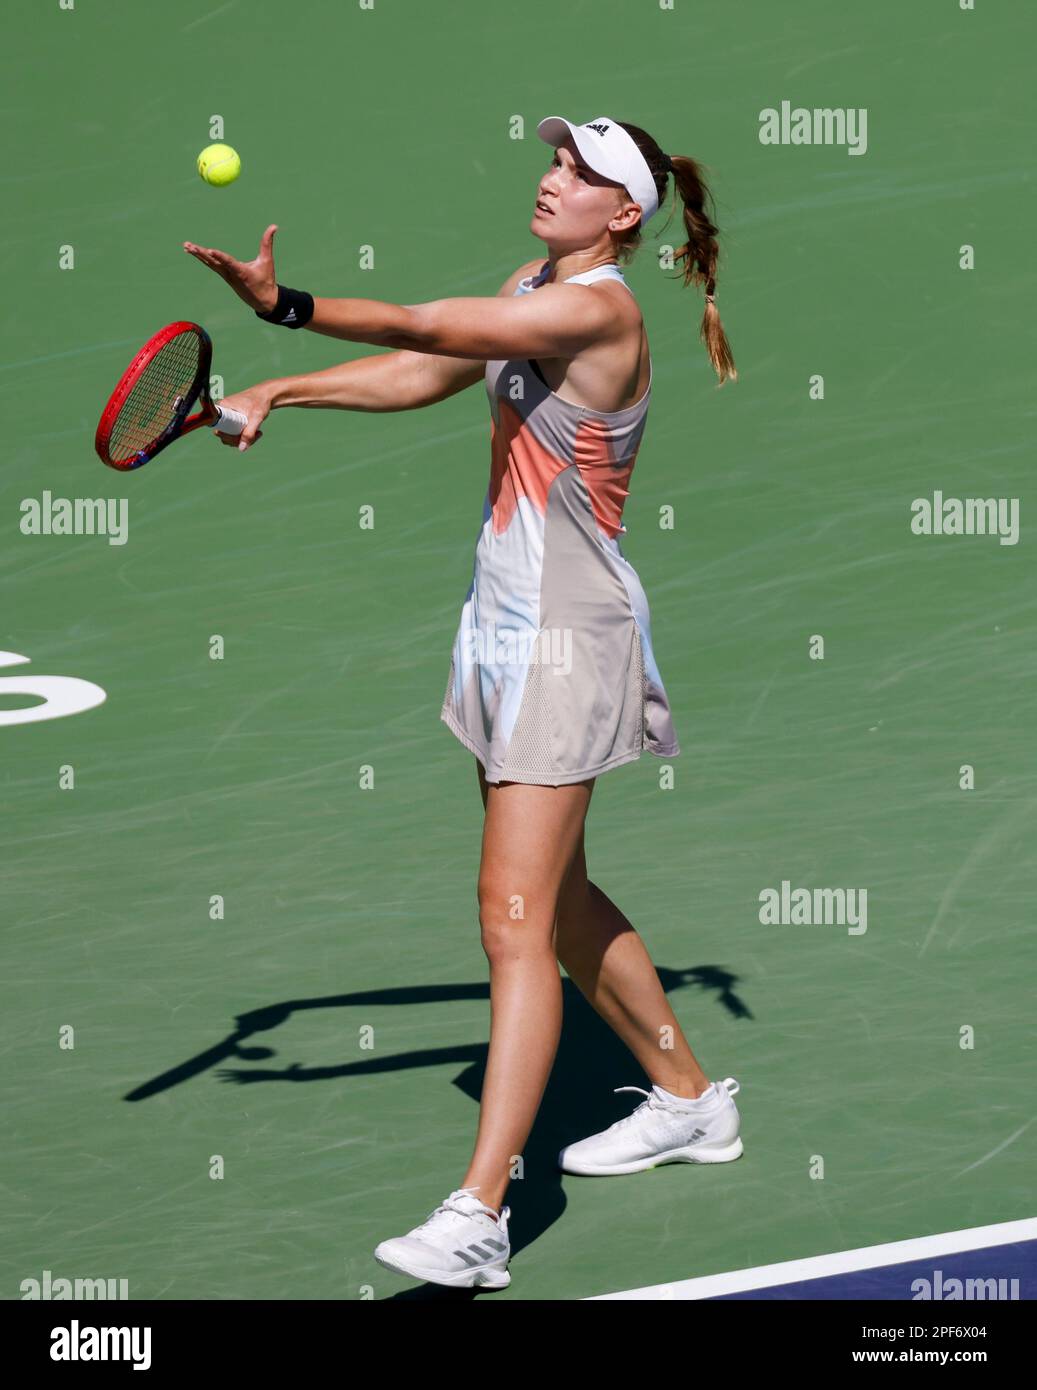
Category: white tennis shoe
<point>463,1244</point>
<point>659,1131</point>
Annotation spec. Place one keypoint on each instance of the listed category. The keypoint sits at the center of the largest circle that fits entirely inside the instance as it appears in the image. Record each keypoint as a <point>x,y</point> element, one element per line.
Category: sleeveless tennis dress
<point>552,676</point>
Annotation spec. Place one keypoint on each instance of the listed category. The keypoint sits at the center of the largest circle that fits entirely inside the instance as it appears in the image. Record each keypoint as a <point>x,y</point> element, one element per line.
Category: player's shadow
<point>578,1101</point>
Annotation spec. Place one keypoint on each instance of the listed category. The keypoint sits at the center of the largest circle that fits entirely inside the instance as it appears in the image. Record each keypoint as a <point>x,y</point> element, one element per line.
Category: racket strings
<point>158,396</point>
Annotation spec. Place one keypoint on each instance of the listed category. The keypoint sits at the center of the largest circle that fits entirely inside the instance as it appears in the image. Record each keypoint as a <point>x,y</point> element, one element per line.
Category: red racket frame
<point>178,427</point>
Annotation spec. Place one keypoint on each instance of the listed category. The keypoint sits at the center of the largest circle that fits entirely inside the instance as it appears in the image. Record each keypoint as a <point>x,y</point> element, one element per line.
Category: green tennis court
<point>245,1006</point>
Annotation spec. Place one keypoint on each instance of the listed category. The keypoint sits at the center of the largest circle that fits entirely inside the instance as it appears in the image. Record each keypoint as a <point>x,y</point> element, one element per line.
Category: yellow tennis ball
<point>219,165</point>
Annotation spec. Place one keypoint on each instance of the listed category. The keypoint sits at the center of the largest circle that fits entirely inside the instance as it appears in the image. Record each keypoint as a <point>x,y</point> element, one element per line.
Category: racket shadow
<point>578,1100</point>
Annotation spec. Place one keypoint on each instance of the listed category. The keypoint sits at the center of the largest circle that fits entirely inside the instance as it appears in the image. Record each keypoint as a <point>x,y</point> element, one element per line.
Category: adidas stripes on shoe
<point>463,1244</point>
<point>663,1129</point>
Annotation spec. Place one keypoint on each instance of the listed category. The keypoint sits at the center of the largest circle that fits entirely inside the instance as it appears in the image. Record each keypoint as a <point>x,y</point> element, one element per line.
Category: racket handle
<point>229,421</point>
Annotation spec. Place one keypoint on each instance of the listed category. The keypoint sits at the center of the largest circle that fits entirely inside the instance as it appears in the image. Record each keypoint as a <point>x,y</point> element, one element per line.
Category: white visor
<point>607,149</point>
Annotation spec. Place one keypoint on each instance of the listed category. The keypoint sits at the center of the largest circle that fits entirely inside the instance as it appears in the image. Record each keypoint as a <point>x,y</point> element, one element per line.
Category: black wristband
<point>294,308</point>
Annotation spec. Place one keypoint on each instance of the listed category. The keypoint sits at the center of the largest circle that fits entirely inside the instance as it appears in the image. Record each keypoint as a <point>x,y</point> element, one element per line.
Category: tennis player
<point>553,678</point>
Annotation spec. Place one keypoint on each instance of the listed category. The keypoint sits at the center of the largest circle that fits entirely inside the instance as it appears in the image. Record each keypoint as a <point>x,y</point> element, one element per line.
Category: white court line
<point>839,1262</point>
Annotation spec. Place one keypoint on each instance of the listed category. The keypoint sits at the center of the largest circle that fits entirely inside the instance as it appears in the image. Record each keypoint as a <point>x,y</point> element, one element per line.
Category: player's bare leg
<point>606,959</point>
<point>529,838</point>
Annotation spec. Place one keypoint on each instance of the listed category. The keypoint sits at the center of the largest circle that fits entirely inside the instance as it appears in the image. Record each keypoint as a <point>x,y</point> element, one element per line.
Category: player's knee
<point>510,919</point>
<point>496,909</point>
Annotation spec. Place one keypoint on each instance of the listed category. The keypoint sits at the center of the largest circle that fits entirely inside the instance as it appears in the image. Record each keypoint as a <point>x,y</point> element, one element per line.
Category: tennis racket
<point>151,405</point>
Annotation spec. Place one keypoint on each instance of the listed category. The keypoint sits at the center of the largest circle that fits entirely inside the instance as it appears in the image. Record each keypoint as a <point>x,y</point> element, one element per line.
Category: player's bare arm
<point>558,322</point>
<point>404,379</point>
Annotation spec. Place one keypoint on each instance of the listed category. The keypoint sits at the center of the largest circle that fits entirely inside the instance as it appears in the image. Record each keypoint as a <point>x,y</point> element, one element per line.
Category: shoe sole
<point>485,1278</point>
<point>726,1153</point>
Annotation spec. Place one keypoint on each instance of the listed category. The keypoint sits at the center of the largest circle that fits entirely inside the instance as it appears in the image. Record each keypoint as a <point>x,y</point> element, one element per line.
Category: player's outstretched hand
<point>253,403</point>
<point>252,281</point>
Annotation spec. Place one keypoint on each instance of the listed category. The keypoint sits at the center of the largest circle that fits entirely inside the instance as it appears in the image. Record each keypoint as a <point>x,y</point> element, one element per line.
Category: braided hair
<point>700,252</point>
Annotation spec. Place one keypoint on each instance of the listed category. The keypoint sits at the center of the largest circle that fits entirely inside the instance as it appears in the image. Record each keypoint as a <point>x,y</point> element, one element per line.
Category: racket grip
<point>229,421</point>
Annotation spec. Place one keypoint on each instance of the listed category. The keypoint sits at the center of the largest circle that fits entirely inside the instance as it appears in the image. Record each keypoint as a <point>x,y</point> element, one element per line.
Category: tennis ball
<point>219,165</point>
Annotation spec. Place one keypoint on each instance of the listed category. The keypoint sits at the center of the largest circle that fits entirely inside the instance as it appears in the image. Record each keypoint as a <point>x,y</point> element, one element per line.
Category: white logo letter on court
<point>63,694</point>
